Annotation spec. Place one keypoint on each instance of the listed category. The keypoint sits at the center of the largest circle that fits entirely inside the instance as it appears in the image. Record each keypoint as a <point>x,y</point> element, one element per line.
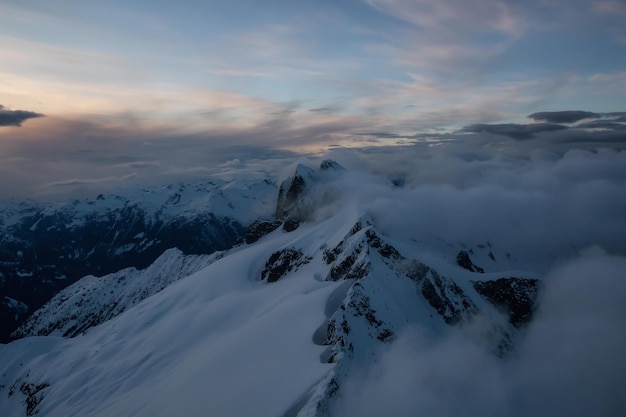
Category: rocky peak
<point>331,165</point>
<point>299,194</point>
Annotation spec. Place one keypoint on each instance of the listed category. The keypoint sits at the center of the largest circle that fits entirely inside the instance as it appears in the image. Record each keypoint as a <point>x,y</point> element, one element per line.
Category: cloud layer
<point>56,157</point>
<point>569,363</point>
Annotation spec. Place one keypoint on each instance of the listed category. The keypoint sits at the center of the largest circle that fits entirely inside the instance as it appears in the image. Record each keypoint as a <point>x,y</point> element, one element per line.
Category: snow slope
<point>227,341</point>
<point>94,300</point>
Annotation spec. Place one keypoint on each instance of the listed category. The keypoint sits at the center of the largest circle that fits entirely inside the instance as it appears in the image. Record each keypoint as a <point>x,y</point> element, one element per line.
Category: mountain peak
<point>331,165</point>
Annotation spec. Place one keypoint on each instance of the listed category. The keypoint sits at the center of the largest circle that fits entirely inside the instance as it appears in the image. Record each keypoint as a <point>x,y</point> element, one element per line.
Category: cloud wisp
<point>10,117</point>
<point>514,131</point>
<point>571,116</point>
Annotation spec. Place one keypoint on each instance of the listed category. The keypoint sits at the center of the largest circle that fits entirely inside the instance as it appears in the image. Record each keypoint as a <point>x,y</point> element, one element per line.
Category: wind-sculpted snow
<point>196,338</point>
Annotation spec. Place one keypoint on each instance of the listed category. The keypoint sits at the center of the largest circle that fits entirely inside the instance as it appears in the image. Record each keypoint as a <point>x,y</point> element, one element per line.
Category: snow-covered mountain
<point>274,326</point>
<point>44,247</point>
<point>94,300</point>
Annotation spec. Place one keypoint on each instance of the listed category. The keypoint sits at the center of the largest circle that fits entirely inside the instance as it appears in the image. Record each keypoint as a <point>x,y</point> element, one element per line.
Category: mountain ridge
<point>323,298</point>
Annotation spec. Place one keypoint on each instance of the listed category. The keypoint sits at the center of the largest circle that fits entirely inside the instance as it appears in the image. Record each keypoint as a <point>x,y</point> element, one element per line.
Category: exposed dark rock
<point>331,165</point>
<point>290,225</point>
<point>447,298</point>
<point>385,249</point>
<point>33,396</point>
<point>282,262</point>
<point>514,296</point>
<point>417,271</point>
<point>464,261</point>
<point>385,336</point>
<point>49,250</point>
<point>289,193</point>
<point>260,228</point>
<point>350,268</point>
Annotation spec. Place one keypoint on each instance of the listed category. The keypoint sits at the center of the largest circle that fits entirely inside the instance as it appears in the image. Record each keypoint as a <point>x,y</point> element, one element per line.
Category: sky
<point>98,94</point>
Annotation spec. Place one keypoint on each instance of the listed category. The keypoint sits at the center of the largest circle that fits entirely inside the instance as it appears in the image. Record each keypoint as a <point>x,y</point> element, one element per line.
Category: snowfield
<point>332,309</point>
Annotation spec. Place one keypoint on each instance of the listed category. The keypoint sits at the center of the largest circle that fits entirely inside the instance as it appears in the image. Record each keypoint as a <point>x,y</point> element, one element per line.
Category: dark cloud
<point>568,116</point>
<point>600,124</point>
<point>321,110</point>
<point>15,117</point>
<point>512,130</point>
<point>383,135</point>
<point>113,147</point>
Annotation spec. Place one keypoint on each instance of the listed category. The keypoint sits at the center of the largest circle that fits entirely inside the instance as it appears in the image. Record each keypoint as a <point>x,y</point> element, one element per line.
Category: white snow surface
<point>221,342</point>
<point>94,300</point>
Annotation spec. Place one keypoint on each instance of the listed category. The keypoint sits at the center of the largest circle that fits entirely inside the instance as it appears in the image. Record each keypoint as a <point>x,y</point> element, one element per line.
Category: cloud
<point>599,124</point>
<point>540,206</point>
<point>616,116</point>
<point>569,362</point>
<point>484,15</point>
<point>57,149</point>
<point>514,131</point>
<point>87,181</point>
<point>610,7</point>
<point>15,117</point>
<point>570,116</point>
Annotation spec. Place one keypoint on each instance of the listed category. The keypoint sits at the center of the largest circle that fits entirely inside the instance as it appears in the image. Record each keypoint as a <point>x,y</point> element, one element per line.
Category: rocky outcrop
<point>282,262</point>
<point>464,261</point>
<point>260,228</point>
<point>291,192</point>
<point>516,297</point>
<point>445,296</point>
<point>297,197</point>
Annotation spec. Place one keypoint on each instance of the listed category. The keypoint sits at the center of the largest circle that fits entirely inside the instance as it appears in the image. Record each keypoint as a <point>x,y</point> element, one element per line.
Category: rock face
<point>516,297</point>
<point>282,262</point>
<point>47,247</point>
<point>463,260</point>
<point>300,194</point>
<point>291,191</point>
<point>447,298</point>
<point>260,228</point>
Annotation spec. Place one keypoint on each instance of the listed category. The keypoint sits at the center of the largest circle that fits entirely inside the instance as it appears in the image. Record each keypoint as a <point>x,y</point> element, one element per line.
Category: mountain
<point>274,326</point>
<point>94,300</point>
<point>45,247</point>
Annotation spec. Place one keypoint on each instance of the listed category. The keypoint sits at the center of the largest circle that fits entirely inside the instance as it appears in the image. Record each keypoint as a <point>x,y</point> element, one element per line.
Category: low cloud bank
<point>570,362</point>
<point>542,210</point>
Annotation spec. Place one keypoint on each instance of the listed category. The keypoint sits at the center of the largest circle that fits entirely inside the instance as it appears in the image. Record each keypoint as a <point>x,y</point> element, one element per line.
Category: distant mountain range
<point>46,247</point>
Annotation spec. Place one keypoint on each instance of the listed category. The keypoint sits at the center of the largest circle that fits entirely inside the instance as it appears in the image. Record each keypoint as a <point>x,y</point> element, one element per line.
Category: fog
<point>570,362</point>
<point>543,210</point>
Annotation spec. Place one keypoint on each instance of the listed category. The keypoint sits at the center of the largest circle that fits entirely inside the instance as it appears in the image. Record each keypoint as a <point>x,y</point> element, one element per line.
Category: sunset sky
<point>92,91</point>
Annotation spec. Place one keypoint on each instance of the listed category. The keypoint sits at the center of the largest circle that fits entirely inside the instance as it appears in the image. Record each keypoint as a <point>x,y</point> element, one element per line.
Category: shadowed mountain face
<point>46,247</point>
